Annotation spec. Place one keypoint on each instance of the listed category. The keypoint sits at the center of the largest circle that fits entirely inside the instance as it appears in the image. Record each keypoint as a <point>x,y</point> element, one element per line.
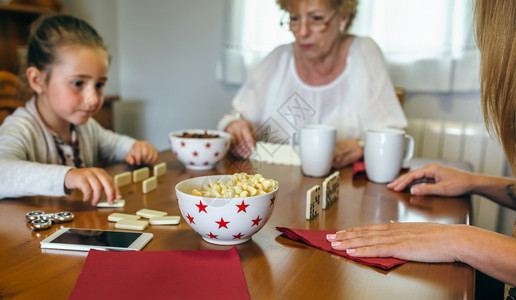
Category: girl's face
<point>74,87</point>
<point>317,28</point>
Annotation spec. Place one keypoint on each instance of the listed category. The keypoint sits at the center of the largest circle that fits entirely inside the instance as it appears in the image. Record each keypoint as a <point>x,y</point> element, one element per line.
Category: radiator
<point>462,141</point>
<point>458,141</point>
<point>432,138</point>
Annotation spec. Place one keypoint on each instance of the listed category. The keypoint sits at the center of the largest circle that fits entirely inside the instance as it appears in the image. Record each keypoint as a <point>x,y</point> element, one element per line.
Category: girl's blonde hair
<point>343,7</point>
<point>496,39</point>
<point>50,32</point>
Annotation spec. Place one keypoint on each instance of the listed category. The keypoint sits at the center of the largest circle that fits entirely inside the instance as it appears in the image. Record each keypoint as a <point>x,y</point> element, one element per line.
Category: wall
<point>464,107</point>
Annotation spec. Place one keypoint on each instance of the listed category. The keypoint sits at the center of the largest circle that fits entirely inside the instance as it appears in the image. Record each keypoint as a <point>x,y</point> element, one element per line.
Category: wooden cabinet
<point>16,16</point>
<point>15,20</point>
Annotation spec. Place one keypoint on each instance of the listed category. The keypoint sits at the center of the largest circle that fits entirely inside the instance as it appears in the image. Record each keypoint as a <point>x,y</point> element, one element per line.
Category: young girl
<point>50,146</point>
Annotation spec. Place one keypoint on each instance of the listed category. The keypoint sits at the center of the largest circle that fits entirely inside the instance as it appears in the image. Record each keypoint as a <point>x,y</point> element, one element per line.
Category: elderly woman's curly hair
<point>343,7</point>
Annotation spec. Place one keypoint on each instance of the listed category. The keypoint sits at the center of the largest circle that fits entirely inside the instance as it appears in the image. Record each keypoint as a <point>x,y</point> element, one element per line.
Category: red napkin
<point>359,172</point>
<point>317,239</point>
<point>185,274</point>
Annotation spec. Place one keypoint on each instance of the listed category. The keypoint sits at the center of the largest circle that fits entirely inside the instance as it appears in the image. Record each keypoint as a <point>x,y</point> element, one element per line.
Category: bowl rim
<point>219,176</point>
<point>222,134</point>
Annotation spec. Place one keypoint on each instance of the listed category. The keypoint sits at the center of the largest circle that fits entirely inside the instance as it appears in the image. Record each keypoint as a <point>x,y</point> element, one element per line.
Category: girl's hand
<point>346,152</point>
<point>142,153</point>
<point>92,182</point>
<point>448,182</point>
<point>243,142</point>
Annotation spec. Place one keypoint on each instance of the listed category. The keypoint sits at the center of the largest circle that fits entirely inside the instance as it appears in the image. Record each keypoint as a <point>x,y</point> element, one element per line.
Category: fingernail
<point>350,251</point>
<point>331,237</point>
<point>414,190</point>
<point>335,244</point>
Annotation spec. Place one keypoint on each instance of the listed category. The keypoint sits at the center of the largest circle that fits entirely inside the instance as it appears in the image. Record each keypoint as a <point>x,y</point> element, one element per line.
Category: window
<point>429,45</point>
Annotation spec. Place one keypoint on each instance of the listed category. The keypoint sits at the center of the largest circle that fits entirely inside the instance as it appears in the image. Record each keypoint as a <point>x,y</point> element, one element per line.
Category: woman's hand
<point>243,142</point>
<point>346,152</point>
<point>448,182</point>
<point>489,252</point>
<point>425,242</point>
<point>92,182</point>
<point>142,153</point>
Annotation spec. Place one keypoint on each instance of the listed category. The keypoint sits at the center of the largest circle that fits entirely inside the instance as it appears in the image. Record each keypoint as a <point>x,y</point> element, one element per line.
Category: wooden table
<point>274,266</point>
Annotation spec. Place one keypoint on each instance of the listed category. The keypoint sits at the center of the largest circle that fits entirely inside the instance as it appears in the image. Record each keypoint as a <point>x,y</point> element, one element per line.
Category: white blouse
<point>277,102</point>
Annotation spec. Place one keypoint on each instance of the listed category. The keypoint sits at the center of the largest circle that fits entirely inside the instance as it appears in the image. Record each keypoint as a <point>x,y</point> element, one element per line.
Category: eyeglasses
<point>316,23</point>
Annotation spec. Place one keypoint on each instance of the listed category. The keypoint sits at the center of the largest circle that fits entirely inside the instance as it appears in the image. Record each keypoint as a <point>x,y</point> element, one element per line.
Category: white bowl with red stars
<point>223,221</point>
<point>199,153</point>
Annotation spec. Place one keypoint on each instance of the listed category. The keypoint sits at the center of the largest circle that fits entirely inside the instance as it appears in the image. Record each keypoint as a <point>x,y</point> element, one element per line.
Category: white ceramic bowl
<point>223,221</point>
<point>199,153</point>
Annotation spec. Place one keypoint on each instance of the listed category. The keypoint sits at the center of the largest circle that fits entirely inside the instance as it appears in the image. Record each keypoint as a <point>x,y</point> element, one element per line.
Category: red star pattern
<point>201,206</point>
<point>238,236</point>
<point>191,219</point>
<point>242,207</point>
<point>218,233</point>
<point>206,163</point>
<point>192,163</point>
<point>222,223</point>
<point>256,221</point>
<point>195,153</point>
<point>216,154</point>
<point>208,145</point>
<point>183,144</point>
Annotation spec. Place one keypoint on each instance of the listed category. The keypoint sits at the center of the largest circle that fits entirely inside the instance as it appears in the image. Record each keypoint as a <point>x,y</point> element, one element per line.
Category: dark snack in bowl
<point>204,135</point>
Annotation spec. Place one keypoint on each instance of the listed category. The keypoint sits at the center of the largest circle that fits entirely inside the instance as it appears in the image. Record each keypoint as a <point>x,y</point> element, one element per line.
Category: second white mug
<point>384,153</point>
<point>316,146</point>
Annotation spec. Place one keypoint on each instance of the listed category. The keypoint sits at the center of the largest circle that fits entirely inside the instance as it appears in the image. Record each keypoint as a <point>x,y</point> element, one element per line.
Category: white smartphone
<point>86,239</point>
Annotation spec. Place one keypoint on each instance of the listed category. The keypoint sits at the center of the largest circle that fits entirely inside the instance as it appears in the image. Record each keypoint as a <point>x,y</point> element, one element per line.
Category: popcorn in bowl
<point>239,185</point>
<point>227,219</point>
<point>199,149</point>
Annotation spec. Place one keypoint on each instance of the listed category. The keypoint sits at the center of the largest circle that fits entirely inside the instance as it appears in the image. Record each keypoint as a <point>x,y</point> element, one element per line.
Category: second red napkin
<point>203,274</point>
<point>359,171</point>
<point>317,239</point>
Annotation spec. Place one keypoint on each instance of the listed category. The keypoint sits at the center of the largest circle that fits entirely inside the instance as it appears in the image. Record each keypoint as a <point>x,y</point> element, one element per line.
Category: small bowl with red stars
<point>227,209</point>
<point>199,149</point>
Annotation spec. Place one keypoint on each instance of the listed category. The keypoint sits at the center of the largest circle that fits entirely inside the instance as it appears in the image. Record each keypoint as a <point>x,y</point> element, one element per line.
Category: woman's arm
<point>243,140</point>
<point>489,252</point>
<point>451,182</point>
<point>499,189</point>
<point>346,152</point>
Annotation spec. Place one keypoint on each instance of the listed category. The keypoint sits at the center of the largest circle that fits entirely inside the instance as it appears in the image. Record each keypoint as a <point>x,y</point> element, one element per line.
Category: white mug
<point>316,146</point>
<point>384,153</point>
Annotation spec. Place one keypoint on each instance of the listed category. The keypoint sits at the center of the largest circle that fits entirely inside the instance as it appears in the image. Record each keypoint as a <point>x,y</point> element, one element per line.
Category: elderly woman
<point>327,76</point>
<point>492,253</point>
